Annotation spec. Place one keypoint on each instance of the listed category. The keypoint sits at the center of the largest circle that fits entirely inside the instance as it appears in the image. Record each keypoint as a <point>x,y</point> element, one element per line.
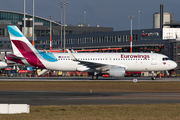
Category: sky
<point>105,13</point>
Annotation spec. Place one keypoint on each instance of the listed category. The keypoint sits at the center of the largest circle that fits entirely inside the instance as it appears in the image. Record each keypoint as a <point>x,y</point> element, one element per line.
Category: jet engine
<point>117,72</point>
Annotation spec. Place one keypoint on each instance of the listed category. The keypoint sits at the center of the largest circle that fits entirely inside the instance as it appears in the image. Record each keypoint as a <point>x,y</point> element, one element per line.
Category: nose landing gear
<point>153,77</point>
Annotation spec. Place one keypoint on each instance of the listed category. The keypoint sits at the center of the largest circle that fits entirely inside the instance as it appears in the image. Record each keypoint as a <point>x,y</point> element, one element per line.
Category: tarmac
<point>77,78</point>
<point>86,98</point>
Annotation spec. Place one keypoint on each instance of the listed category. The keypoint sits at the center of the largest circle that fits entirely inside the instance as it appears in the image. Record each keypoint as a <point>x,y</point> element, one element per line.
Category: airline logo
<point>135,56</point>
<point>164,63</point>
<point>21,45</point>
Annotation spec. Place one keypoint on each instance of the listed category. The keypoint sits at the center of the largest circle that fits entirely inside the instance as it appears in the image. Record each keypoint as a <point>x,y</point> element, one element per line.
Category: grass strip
<point>100,112</point>
<point>94,86</point>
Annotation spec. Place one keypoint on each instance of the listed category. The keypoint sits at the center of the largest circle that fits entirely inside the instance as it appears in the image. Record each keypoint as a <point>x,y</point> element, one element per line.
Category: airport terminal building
<point>165,40</point>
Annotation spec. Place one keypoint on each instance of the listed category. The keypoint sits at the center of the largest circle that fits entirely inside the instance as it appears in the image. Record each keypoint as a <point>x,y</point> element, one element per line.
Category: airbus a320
<point>114,64</point>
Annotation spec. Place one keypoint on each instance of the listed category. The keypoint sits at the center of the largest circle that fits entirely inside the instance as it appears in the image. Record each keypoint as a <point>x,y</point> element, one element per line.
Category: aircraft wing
<point>93,65</point>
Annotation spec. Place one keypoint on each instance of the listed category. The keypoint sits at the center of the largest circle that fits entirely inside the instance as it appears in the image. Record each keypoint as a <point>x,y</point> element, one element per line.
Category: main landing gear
<point>95,76</point>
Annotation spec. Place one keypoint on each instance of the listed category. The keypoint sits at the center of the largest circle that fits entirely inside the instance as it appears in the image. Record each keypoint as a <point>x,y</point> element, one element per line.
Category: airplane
<point>2,64</point>
<point>114,64</point>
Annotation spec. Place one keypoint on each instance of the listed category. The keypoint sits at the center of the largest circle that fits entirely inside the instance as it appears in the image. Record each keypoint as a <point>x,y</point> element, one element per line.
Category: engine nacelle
<point>117,72</point>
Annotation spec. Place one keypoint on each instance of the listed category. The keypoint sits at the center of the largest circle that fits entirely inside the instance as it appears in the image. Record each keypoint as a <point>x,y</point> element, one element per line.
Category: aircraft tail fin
<point>19,42</point>
<point>24,51</point>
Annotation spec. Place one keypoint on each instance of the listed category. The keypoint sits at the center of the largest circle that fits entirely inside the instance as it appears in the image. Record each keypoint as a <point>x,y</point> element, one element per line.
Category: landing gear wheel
<point>153,78</point>
<point>95,77</point>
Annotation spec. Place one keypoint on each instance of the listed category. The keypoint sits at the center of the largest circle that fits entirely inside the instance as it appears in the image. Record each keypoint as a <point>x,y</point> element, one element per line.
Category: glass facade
<point>17,17</point>
<point>13,17</point>
<point>102,39</point>
<point>41,29</point>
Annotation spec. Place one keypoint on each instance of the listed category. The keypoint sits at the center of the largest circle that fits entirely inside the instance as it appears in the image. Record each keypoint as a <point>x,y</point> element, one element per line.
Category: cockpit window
<point>164,59</point>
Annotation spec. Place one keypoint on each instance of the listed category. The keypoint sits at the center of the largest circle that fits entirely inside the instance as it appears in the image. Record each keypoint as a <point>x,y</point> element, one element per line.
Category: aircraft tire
<point>153,78</point>
<point>95,77</point>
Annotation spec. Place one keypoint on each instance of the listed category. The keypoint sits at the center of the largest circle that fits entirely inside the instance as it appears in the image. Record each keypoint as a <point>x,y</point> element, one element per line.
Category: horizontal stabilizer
<point>15,57</point>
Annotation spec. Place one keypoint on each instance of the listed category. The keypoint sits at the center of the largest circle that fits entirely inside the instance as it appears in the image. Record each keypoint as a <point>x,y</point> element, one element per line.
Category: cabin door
<point>153,59</point>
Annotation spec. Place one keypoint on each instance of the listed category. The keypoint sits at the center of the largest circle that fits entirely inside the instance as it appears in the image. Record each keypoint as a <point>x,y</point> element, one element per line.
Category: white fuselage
<point>25,53</point>
<point>130,61</point>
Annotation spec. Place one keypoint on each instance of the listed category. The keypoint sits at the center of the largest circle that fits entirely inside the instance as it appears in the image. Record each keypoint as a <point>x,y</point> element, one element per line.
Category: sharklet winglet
<point>72,56</point>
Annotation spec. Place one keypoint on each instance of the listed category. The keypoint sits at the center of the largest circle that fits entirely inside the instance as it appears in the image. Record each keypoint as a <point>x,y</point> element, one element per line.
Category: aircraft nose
<point>4,64</point>
<point>174,65</point>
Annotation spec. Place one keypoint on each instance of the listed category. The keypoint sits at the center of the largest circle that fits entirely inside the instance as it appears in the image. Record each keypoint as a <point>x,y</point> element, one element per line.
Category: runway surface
<point>86,79</point>
<point>85,98</point>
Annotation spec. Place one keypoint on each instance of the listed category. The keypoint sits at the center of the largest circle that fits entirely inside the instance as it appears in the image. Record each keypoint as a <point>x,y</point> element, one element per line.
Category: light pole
<point>33,25</point>
<point>24,16</point>
<point>50,33</point>
<point>84,16</point>
<point>139,19</point>
<point>64,3</point>
<point>61,22</point>
<point>131,17</point>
